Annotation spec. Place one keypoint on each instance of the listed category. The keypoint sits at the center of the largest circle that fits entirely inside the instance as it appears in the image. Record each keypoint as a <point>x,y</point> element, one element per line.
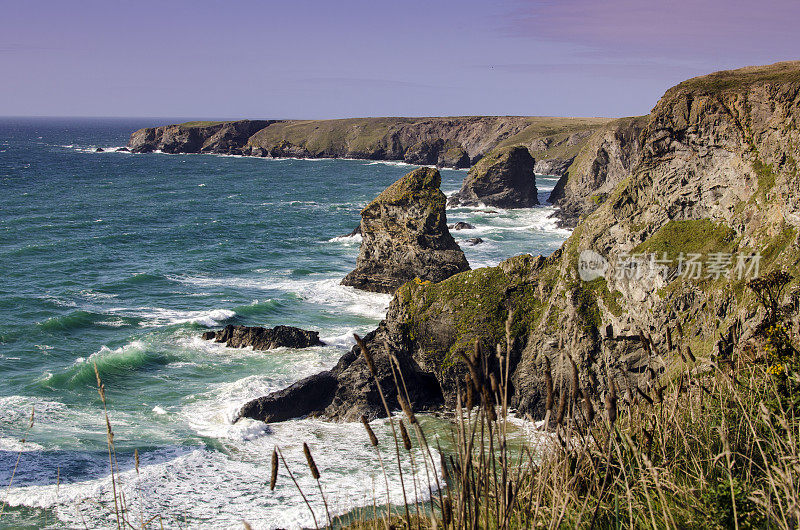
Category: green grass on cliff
<point>734,80</point>
<point>477,303</point>
<point>199,124</point>
<point>696,236</point>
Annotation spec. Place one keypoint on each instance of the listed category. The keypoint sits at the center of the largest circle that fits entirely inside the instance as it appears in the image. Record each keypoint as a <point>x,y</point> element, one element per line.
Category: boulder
<point>264,338</point>
<point>405,236</point>
<point>461,225</point>
<point>474,241</point>
<point>503,178</point>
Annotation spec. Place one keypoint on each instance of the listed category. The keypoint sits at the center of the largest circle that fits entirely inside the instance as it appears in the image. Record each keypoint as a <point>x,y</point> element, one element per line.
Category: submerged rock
<point>474,241</point>
<point>264,338</point>
<point>503,178</point>
<point>461,225</point>
<point>406,237</point>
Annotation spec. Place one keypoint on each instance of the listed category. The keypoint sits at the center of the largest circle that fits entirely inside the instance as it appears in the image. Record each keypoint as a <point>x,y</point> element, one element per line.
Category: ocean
<point>122,260</point>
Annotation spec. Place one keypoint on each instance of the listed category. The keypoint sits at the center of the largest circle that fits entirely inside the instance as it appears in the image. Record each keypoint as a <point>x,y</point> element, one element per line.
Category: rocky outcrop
<point>445,142</point>
<point>505,179</point>
<point>405,236</point>
<point>260,338</point>
<point>437,152</point>
<point>349,390</point>
<point>716,173</point>
<point>603,162</point>
<point>553,166</point>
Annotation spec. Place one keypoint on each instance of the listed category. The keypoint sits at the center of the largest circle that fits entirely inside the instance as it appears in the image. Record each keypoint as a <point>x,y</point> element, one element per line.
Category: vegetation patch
<point>695,236</point>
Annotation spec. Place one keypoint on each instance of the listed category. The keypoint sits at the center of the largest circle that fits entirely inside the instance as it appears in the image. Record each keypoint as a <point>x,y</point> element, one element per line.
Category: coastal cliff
<point>713,173</point>
<point>446,142</point>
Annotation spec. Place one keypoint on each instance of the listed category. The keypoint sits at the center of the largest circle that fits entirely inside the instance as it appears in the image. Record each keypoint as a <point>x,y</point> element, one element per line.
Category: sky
<point>208,59</point>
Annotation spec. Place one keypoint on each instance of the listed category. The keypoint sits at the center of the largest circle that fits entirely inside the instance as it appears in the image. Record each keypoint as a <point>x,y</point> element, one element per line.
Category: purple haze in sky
<point>323,59</point>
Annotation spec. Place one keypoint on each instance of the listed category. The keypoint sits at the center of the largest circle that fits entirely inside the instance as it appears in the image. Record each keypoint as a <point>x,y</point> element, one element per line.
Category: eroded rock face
<point>264,338</point>
<point>553,166</point>
<point>604,161</point>
<point>504,178</point>
<point>405,236</point>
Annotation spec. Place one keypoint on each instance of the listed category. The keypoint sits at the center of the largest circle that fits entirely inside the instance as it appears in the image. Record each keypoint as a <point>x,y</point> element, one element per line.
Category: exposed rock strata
<point>603,162</point>
<point>405,236</point>
<point>553,166</point>
<point>264,338</point>
<point>504,179</point>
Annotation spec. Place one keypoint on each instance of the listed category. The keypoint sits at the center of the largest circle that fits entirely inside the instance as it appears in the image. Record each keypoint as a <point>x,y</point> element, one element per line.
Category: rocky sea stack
<point>504,178</point>
<point>264,338</point>
<point>406,237</point>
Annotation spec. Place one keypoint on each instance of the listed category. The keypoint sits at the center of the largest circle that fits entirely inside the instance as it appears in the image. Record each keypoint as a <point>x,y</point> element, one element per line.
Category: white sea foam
<point>159,316</point>
<point>201,487</point>
<point>325,291</point>
<point>348,239</point>
<point>393,163</point>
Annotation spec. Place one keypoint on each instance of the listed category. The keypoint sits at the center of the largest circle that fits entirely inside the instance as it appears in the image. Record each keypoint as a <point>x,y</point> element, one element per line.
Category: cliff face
<point>603,162</point>
<point>445,142</point>
<point>196,137</point>
<point>716,175</point>
<point>405,236</point>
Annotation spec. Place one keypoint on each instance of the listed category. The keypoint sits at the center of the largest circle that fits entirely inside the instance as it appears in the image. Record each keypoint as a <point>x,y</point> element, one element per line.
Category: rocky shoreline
<point>712,169</point>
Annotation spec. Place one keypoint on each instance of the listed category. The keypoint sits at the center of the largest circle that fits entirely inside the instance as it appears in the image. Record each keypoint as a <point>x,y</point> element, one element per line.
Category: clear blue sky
<point>343,58</point>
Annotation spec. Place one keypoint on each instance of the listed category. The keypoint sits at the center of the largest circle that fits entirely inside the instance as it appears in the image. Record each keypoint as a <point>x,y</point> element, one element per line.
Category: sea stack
<point>405,236</point>
<point>264,338</point>
<point>504,178</point>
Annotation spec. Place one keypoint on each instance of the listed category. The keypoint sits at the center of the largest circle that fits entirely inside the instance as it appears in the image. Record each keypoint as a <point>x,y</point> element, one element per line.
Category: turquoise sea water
<point>122,261</point>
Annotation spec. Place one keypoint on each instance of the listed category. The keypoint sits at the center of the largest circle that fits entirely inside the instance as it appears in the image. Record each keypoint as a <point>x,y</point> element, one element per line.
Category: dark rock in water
<point>356,231</point>
<point>406,237</point>
<point>99,150</point>
<point>307,396</point>
<point>503,178</point>
<point>264,338</point>
<point>461,225</point>
<point>455,157</point>
<point>348,391</point>
<point>123,150</point>
<point>474,241</point>
<point>437,152</point>
<point>425,152</point>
